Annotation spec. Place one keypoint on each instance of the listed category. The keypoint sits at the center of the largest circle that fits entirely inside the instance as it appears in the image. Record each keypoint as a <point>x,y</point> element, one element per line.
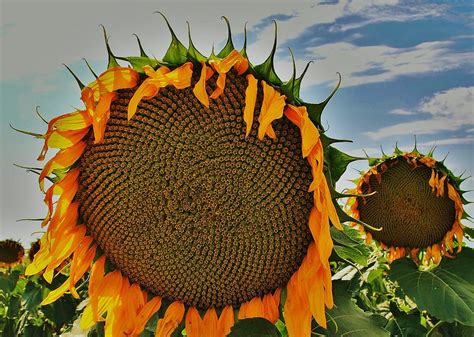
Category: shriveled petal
<point>180,78</point>
<point>220,85</point>
<point>250,99</point>
<point>233,59</point>
<point>272,109</point>
<point>173,317</point>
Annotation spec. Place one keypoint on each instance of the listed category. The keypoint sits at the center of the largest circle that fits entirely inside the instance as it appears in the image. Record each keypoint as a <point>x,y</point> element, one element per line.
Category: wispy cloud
<point>448,110</point>
<point>401,112</point>
<point>450,141</point>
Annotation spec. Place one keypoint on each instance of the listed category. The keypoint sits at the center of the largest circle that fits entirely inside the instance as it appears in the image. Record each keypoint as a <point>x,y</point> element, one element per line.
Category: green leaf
<point>405,325</point>
<point>444,329</point>
<point>347,319</point>
<point>14,306</point>
<point>446,292</point>
<point>62,311</point>
<point>347,237</point>
<point>8,281</point>
<point>254,327</point>
<point>32,296</point>
<point>357,254</point>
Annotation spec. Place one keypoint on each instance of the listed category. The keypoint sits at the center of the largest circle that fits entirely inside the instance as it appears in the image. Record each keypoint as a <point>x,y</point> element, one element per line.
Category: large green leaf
<point>357,254</point>
<point>32,296</point>
<point>446,292</point>
<point>347,319</point>
<point>404,324</point>
<point>254,327</point>
<point>444,329</point>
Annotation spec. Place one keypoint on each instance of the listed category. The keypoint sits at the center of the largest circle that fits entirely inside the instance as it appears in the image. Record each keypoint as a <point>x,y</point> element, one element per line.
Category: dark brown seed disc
<point>11,252</point>
<point>405,206</point>
<point>188,207</point>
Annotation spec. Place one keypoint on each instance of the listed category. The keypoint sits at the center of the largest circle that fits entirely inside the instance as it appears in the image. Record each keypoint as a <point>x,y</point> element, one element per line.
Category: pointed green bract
<point>90,68</point>
<point>142,52</point>
<point>79,83</point>
<point>229,46</point>
<point>112,63</point>
<point>177,52</point>
<point>315,110</point>
<point>337,161</point>
<point>243,51</point>
<point>193,53</point>
<point>266,70</point>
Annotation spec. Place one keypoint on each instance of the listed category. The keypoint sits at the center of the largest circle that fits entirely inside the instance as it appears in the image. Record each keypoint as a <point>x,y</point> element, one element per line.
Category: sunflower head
<point>413,204</point>
<point>198,180</point>
<point>11,253</point>
<point>34,248</point>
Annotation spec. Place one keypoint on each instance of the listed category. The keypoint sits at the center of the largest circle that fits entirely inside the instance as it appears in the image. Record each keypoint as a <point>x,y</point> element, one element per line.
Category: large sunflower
<point>192,184</point>
<point>413,204</point>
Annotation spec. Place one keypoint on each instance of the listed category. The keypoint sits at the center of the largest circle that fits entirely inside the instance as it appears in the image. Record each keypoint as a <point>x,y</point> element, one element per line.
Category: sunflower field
<point>196,196</point>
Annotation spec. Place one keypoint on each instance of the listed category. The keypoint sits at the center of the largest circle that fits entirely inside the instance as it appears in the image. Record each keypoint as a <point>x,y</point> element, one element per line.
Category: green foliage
<point>446,292</point>
<point>20,310</point>
<point>346,318</point>
<point>254,327</point>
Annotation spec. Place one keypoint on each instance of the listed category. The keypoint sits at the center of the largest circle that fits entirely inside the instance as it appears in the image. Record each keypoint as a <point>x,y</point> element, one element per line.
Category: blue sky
<point>406,66</point>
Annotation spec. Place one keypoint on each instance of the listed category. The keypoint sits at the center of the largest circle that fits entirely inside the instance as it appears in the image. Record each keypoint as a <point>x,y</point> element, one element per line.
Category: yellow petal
<point>61,160</point>
<point>193,323</point>
<point>272,109</point>
<point>209,323</point>
<point>200,87</point>
<point>173,317</point>
<point>250,99</point>
<point>146,90</point>
<point>101,116</point>
<point>220,83</point>
<point>226,321</point>
<point>145,314</point>
<point>113,79</point>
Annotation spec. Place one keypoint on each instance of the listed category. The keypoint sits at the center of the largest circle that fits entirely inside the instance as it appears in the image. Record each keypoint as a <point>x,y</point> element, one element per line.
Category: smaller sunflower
<point>34,248</point>
<point>413,204</point>
<point>11,253</point>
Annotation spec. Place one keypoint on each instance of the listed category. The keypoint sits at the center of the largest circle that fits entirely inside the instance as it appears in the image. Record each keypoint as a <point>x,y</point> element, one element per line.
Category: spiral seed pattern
<point>405,206</point>
<point>185,205</point>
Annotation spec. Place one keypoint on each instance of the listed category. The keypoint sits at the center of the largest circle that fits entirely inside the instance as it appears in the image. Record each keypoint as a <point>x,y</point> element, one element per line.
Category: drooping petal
<point>222,67</point>
<point>168,324</point>
<point>145,91</point>
<point>220,85</point>
<point>101,116</point>
<point>296,311</point>
<point>145,314</point>
<point>272,109</point>
<point>112,80</point>
<point>251,309</point>
<point>250,99</point>
<point>61,160</point>
<point>200,87</point>
<point>309,133</point>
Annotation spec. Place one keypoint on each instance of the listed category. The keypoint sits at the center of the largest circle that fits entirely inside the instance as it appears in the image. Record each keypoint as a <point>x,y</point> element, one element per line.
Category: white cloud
<point>401,112</point>
<point>450,141</point>
<point>449,110</point>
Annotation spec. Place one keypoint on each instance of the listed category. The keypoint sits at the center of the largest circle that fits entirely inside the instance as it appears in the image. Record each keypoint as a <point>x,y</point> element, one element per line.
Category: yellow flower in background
<point>192,185</point>
<point>414,205</point>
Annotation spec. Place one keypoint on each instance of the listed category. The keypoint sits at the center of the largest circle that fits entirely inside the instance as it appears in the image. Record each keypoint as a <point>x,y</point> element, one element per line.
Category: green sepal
<point>243,51</point>
<point>229,46</point>
<point>288,87</point>
<point>177,52</point>
<point>29,133</point>
<point>142,51</point>
<point>266,70</point>
<point>327,141</point>
<point>138,62</point>
<point>315,110</point>
<point>337,161</point>
<point>193,53</point>
<point>79,83</point>
<point>112,63</point>
<point>40,115</point>
<point>90,68</point>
